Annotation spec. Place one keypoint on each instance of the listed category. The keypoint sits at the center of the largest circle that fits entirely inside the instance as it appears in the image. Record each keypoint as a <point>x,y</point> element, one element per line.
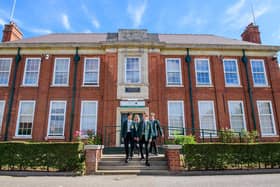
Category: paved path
<point>269,180</point>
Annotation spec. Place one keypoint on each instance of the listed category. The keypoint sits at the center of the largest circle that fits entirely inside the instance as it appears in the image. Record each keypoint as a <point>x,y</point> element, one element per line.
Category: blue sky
<point>226,18</point>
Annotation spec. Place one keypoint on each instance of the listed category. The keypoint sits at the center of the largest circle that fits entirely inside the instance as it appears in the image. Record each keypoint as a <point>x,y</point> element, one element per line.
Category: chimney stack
<point>11,32</point>
<point>251,34</point>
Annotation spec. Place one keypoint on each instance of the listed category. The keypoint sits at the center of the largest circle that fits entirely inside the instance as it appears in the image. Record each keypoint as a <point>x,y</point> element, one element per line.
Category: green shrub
<point>182,139</point>
<point>249,137</point>
<point>42,156</point>
<point>228,136</point>
<point>231,156</point>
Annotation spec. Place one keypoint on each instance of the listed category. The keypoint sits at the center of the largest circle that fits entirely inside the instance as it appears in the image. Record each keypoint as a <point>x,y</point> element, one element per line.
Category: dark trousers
<point>128,140</point>
<point>153,145</point>
<point>146,143</point>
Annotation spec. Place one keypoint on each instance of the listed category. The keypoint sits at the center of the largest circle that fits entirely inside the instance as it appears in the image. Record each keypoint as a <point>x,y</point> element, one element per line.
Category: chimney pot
<point>251,34</point>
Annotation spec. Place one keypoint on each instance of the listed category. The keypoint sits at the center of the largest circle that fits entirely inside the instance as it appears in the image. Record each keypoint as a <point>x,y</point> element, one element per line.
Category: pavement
<point>263,180</point>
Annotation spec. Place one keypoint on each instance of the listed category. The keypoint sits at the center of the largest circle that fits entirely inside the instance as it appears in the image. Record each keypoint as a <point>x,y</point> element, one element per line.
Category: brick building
<point>56,84</point>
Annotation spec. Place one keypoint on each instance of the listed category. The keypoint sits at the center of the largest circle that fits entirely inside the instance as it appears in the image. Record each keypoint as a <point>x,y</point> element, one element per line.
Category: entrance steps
<point>115,164</point>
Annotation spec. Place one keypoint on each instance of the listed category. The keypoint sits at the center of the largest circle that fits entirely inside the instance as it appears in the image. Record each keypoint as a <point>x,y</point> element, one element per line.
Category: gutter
<point>11,95</point>
<point>74,89</point>
<point>245,62</point>
<point>188,61</point>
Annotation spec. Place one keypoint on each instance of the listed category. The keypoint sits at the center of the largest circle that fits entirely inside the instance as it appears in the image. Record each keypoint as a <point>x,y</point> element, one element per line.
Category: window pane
<point>258,72</point>
<point>266,118</point>
<point>202,72</point>
<point>5,65</point>
<point>61,71</point>
<point>25,118</point>
<point>132,70</point>
<point>207,119</point>
<point>88,117</point>
<point>57,118</point>
<point>231,74</point>
<point>1,113</point>
<point>175,118</point>
<point>202,65</point>
<point>173,71</point>
<point>236,116</point>
<point>91,72</point>
<point>61,77</point>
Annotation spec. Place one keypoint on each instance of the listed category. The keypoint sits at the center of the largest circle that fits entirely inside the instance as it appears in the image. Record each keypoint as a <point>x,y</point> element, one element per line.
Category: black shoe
<point>125,161</point>
<point>142,158</point>
<point>147,164</point>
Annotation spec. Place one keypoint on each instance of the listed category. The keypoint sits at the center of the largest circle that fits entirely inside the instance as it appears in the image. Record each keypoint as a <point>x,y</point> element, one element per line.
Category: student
<point>156,132</point>
<point>144,134</point>
<point>136,122</point>
<point>128,133</point>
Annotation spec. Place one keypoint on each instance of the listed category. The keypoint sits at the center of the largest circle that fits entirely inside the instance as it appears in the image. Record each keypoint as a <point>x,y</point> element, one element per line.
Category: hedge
<point>213,156</point>
<point>43,156</point>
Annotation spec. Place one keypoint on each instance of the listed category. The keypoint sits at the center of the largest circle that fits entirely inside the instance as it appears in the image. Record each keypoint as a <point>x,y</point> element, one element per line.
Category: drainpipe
<point>11,96</point>
<point>245,62</point>
<point>188,61</point>
<point>76,61</point>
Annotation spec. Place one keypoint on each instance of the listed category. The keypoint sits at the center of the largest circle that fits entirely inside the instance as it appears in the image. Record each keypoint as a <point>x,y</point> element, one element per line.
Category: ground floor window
<point>207,119</point>
<point>56,118</point>
<point>176,117</point>
<point>2,107</point>
<point>266,118</point>
<point>25,118</point>
<point>237,116</point>
<point>88,121</point>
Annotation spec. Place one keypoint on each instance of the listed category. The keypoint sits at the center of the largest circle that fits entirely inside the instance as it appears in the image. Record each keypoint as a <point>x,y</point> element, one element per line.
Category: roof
<point>135,36</point>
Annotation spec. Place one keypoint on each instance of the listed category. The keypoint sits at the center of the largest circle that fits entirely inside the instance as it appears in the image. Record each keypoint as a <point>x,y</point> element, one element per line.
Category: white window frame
<point>168,112</point>
<point>139,70</point>
<point>272,115</point>
<point>98,71</point>
<point>49,119</point>
<point>243,115</point>
<point>38,75</point>
<point>10,67</point>
<point>214,118</point>
<point>265,76</point>
<point>196,77</point>
<point>166,73</point>
<point>54,71</point>
<point>96,112</point>
<point>18,117</point>
<point>237,72</point>
<point>2,115</point>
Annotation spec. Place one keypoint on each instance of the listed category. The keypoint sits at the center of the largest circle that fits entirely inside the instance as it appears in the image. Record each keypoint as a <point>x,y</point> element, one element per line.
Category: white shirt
<point>129,122</point>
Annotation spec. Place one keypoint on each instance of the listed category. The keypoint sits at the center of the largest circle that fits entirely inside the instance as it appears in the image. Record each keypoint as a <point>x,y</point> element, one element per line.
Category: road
<point>269,180</point>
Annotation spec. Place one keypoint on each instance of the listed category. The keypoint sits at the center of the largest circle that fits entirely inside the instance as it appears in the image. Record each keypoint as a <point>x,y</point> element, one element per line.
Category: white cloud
<point>240,14</point>
<point>95,22</point>
<point>65,21</point>
<point>40,30</point>
<point>136,12</point>
<point>2,22</point>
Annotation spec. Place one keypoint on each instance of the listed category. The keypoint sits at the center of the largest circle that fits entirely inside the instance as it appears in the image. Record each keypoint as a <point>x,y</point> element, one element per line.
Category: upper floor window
<point>237,116</point>
<point>266,118</point>
<point>61,72</point>
<point>31,71</point>
<point>173,71</point>
<point>258,72</point>
<point>202,70</point>
<point>132,70</point>
<point>2,107</point>
<point>91,71</point>
<point>231,72</point>
<point>5,68</point>
<point>25,118</point>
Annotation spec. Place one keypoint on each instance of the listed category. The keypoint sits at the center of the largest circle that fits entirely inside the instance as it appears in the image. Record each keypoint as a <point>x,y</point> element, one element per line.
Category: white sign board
<point>132,103</point>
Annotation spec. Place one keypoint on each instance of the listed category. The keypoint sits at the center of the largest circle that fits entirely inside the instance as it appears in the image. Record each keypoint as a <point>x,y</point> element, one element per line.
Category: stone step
<point>132,172</point>
<point>133,167</point>
<point>121,157</point>
<point>133,162</point>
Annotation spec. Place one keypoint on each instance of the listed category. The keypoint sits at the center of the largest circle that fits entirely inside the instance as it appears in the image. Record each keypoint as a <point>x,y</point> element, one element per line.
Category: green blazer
<point>156,129</point>
<point>132,129</point>
<point>147,131</point>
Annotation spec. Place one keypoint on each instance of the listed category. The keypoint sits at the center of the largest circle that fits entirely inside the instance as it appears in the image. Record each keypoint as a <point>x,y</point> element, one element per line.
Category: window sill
<point>4,86</point>
<point>261,86</point>
<point>29,85</point>
<point>90,85</point>
<point>176,86</point>
<point>55,137</point>
<point>270,136</point>
<point>63,85</point>
<point>233,86</point>
<point>22,137</point>
<point>204,86</point>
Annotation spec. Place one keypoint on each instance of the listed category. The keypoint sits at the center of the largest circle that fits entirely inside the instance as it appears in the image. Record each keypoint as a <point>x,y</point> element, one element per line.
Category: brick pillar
<point>172,153</point>
<point>93,156</point>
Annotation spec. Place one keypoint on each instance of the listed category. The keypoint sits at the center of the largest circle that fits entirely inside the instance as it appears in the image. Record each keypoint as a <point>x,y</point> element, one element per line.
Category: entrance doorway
<point>122,113</point>
<point>124,118</point>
